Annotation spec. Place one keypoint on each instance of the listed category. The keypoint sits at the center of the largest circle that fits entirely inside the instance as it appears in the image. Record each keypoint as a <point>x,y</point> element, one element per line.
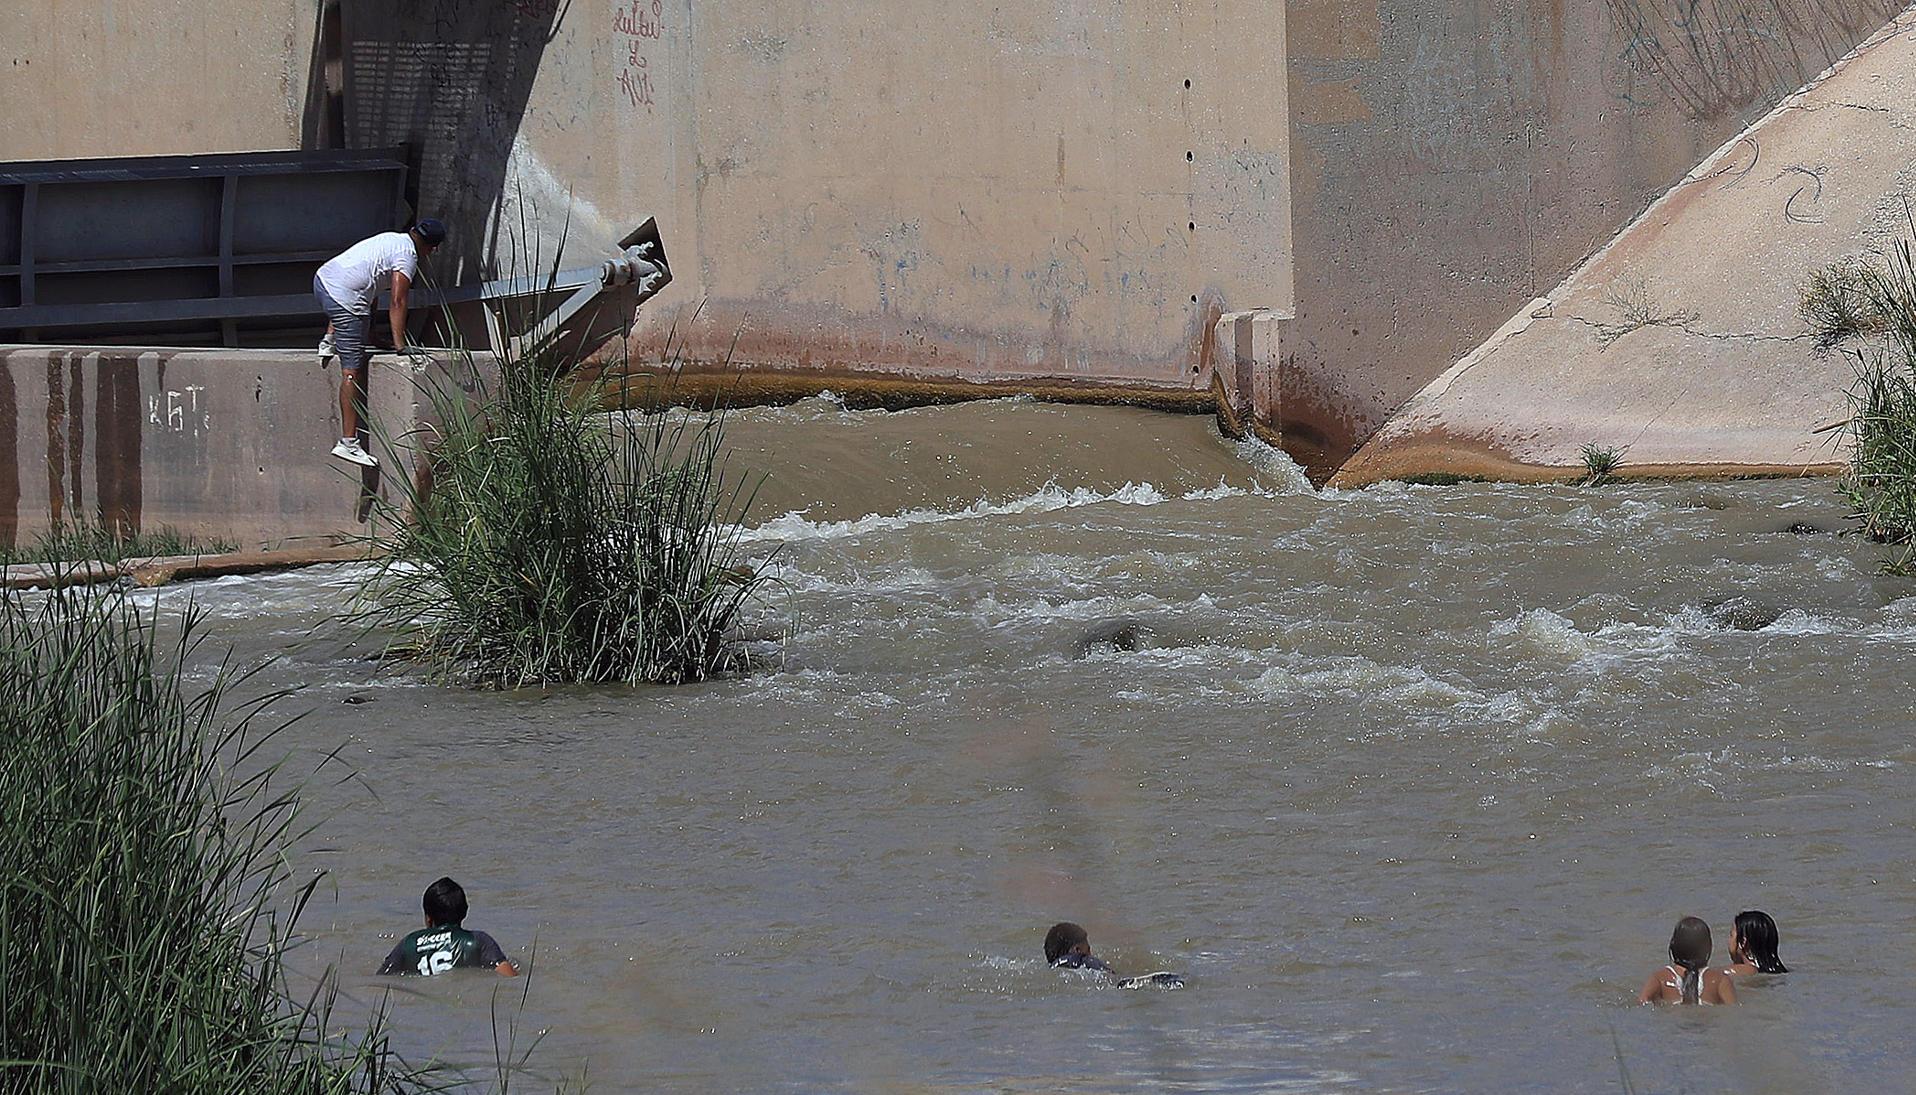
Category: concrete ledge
<point>1435,457</point>
<point>166,569</point>
<point>650,387</point>
<point>220,444</point>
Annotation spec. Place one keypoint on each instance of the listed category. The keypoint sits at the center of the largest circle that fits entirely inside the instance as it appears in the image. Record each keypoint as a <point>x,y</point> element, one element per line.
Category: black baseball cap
<point>432,231</point>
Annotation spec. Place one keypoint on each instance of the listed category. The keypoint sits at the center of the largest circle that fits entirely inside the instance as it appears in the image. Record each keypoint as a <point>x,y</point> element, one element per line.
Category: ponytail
<point>1692,983</point>
<point>1690,949</point>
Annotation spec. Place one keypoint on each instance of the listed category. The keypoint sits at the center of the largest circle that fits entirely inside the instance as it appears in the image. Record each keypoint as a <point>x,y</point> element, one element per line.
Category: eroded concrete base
<point>229,445</point>
<point>167,569</point>
<point>650,387</point>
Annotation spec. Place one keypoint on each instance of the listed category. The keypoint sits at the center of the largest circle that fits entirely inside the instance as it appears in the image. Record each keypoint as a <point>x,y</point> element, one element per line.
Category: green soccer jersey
<point>435,950</point>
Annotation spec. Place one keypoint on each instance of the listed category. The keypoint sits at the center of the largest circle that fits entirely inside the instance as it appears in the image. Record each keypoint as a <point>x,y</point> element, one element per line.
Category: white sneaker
<point>326,351</point>
<point>348,449</point>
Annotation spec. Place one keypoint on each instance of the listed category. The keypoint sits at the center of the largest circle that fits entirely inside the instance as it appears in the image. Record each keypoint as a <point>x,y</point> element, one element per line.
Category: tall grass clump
<point>554,541</point>
<point>145,896</point>
<point>1873,302</point>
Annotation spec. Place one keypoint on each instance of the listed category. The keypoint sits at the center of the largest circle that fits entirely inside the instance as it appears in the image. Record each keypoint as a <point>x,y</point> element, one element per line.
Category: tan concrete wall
<point>1679,345</point>
<point>1455,158</point>
<point>86,78</point>
<point>988,189</point>
<point>1003,190</point>
<point>228,444</point>
<point>995,190</point>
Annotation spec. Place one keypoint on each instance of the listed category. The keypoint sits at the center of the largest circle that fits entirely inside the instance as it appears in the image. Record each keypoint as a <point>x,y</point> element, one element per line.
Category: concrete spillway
<point>1679,343</point>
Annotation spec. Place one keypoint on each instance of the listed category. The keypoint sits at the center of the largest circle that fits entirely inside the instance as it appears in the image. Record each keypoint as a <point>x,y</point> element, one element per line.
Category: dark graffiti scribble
<point>1814,187</point>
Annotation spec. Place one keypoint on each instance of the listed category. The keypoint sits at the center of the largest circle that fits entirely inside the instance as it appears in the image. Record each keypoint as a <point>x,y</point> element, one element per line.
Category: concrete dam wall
<point>1077,191</point>
<point>1071,193</point>
<point>1680,366</point>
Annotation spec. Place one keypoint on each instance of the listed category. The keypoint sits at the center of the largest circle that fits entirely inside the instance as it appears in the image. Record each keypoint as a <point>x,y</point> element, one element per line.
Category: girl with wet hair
<point>1688,979</point>
<point>1753,945</point>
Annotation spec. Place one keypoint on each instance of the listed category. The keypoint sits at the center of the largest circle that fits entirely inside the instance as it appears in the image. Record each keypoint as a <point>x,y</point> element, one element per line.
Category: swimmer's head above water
<point>1690,949</point>
<point>1069,946</point>
<point>1065,939</point>
<point>1753,940</point>
<point>445,904</point>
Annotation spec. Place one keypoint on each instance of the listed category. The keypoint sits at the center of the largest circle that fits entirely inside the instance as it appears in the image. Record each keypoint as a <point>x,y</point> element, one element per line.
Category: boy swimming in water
<point>1068,947</point>
<point>443,944</point>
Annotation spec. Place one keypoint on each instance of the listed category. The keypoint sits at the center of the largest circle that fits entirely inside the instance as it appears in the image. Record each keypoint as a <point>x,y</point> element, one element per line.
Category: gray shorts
<point>349,330</point>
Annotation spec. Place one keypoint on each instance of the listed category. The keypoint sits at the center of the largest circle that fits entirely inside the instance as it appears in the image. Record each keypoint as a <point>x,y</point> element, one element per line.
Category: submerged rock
<point>1123,634</point>
<point>1804,528</point>
<point>1741,613</point>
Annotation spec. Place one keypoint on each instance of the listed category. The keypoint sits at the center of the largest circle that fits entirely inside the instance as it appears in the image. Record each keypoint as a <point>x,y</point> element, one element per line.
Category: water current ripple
<point>1411,781</point>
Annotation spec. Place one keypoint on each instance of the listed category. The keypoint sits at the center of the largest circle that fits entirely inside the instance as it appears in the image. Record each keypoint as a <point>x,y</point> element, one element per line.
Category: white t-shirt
<point>355,276</point>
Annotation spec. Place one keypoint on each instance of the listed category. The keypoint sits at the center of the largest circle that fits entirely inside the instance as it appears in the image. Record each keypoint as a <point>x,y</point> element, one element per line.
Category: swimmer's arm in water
<point>395,962</point>
<point>1653,988</point>
<point>1725,990</point>
<point>491,954</point>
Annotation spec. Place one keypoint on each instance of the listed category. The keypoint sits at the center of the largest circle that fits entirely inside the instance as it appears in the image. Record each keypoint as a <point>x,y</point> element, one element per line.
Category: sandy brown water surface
<point>1412,783</point>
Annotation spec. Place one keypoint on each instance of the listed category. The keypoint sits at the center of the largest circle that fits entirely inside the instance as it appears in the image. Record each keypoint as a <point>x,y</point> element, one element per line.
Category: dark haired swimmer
<point>1068,947</point>
<point>445,944</point>
<point>1753,941</point>
<point>1688,979</point>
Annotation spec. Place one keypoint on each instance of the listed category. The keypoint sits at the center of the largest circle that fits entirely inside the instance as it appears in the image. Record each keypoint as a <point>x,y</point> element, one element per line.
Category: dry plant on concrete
<point>1860,298</point>
<point>1636,309</point>
<point>1599,464</point>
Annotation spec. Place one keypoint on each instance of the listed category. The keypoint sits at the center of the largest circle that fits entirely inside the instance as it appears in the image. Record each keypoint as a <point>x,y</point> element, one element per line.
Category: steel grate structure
<point>193,249</point>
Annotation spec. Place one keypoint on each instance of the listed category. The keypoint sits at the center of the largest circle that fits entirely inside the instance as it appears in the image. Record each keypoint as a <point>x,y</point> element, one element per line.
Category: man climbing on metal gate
<point>347,286</point>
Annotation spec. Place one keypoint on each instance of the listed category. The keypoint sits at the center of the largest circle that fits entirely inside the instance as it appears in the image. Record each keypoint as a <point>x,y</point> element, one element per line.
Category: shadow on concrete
<point>448,80</point>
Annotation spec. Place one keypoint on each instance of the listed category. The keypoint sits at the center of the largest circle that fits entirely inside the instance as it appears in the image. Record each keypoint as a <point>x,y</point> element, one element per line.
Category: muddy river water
<point>1410,782</point>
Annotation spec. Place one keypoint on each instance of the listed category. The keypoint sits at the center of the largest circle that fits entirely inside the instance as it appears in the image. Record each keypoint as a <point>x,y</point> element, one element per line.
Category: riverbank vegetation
<point>146,901</point>
<point>1599,464</point>
<point>85,542</point>
<point>555,541</point>
<point>1868,308</point>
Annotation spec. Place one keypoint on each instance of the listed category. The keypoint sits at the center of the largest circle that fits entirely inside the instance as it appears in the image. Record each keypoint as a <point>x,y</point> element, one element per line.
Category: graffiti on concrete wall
<point>180,411</point>
<point>636,26</point>
<point>1721,57</point>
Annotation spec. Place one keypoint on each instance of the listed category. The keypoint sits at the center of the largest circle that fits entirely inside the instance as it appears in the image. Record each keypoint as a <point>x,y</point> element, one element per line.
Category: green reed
<point>146,901</point>
<point>1874,300</point>
<point>85,542</point>
<point>1599,464</point>
<point>550,540</point>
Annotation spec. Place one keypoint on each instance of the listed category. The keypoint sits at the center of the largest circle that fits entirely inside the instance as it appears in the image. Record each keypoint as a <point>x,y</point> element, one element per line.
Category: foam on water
<point>1549,633</point>
<point>1396,683</point>
<point>1275,464</point>
<point>991,610</point>
<point>1050,497</point>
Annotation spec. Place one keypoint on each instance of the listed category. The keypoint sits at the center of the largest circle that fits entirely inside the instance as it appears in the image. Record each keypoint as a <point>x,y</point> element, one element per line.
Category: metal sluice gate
<point>221,250</point>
